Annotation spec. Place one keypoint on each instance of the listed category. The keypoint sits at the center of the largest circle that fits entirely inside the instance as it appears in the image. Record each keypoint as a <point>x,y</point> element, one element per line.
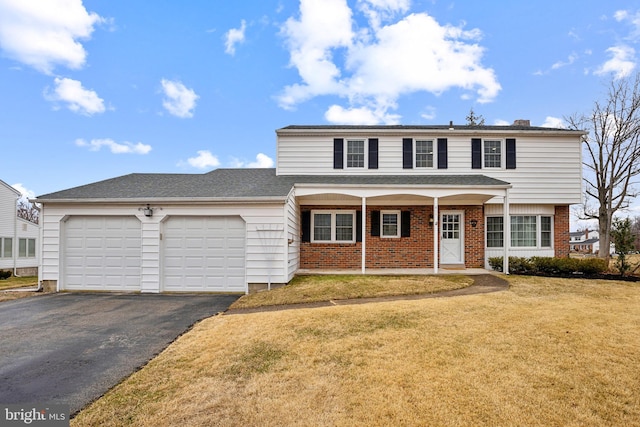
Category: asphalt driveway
<point>71,348</point>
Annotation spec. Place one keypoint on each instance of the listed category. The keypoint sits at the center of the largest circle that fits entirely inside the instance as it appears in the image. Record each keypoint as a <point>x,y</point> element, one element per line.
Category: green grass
<point>306,289</point>
<point>18,282</point>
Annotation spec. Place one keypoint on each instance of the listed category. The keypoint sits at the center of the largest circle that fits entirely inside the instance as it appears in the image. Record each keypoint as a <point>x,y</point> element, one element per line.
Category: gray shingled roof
<point>427,127</point>
<point>240,184</point>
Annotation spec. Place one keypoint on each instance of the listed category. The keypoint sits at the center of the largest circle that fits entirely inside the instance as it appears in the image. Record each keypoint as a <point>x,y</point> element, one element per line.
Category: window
<point>492,154</point>
<point>6,249</point>
<point>424,154</point>
<point>355,153</point>
<point>390,224</point>
<point>26,248</point>
<point>333,226</point>
<point>523,231</point>
<point>529,231</point>
<point>495,231</point>
<point>545,231</point>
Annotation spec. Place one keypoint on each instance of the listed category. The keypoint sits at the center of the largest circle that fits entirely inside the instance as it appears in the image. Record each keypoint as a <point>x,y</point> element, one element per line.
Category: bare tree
<point>474,120</point>
<point>28,211</point>
<point>612,153</point>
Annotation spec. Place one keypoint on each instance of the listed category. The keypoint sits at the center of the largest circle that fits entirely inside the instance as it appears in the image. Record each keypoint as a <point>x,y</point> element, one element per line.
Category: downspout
<point>436,235</point>
<point>40,244</point>
<point>364,234</point>
<point>14,252</point>
<point>507,232</point>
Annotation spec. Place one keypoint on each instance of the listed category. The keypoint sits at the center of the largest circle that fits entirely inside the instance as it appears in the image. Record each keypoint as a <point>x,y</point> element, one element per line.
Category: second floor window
<point>492,154</point>
<point>424,154</point>
<point>355,153</point>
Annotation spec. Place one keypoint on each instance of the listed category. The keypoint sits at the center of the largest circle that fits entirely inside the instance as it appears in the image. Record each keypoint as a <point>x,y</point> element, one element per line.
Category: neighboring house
<point>350,198</point>
<point>585,241</point>
<point>19,249</point>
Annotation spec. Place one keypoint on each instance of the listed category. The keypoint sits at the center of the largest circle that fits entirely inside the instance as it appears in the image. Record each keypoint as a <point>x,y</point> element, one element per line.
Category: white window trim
<point>346,153</point>
<point>333,225</point>
<point>502,154</point>
<point>434,148</point>
<point>399,221</point>
<point>538,233</point>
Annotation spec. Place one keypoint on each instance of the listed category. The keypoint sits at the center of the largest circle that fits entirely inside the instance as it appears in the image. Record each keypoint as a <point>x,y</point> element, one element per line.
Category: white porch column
<point>506,228</point>
<point>364,234</point>
<point>436,235</point>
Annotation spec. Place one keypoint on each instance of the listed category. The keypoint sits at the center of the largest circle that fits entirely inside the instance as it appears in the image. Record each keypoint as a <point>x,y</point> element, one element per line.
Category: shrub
<point>5,274</point>
<point>549,266</point>
<point>592,266</point>
<point>520,265</point>
<point>495,263</point>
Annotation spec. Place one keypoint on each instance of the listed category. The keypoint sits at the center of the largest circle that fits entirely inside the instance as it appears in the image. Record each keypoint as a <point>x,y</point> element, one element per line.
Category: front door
<point>452,237</point>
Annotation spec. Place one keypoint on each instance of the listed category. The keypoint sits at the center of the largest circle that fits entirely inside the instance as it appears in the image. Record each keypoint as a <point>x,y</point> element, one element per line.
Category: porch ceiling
<point>393,199</point>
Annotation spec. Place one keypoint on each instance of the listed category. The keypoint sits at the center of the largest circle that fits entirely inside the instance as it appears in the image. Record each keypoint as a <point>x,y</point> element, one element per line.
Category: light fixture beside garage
<point>148,210</point>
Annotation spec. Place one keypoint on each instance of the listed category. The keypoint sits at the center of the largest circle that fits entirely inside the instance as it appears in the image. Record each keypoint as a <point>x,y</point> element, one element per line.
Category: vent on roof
<point>521,122</point>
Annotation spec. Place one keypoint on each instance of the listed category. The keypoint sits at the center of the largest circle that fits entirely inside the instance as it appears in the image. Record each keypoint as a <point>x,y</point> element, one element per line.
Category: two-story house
<point>352,198</point>
<point>18,238</point>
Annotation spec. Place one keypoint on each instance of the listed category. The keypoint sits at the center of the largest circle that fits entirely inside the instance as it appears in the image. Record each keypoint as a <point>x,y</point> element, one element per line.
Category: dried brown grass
<point>546,352</point>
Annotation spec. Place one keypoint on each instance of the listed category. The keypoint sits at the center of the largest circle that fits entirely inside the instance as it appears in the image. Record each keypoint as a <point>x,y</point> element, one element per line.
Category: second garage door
<point>204,254</point>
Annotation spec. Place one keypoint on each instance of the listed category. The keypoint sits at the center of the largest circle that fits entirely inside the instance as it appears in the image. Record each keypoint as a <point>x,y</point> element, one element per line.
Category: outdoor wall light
<point>430,220</point>
<point>148,210</point>
<point>473,223</point>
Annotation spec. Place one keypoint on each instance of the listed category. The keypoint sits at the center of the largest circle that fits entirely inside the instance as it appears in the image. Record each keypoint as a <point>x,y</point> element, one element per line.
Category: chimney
<point>586,234</point>
<point>521,122</point>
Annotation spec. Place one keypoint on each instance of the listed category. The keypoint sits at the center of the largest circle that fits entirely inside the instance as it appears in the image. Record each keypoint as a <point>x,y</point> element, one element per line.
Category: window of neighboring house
<point>526,231</point>
<point>495,231</point>
<point>390,223</point>
<point>492,154</point>
<point>6,247</point>
<point>355,153</point>
<point>424,153</point>
<point>26,248</point>
<point>333,226</point>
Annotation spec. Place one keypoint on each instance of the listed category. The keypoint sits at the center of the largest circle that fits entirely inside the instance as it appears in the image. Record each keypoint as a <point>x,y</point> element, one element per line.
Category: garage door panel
<point>102,253</point>
<point>204,254</point>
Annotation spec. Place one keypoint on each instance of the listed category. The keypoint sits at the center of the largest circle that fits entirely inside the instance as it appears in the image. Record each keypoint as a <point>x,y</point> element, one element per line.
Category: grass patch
<point>546,352</point>
<point>304,289</point>
<point>18,282</point>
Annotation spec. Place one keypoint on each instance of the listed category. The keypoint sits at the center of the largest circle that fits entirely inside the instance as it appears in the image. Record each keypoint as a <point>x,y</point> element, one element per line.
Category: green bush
<point>550,266</point>
<point>5,274</point>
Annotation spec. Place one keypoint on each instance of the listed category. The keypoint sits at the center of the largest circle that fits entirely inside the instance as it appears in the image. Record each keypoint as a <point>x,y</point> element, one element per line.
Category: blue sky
<point>95,89</point>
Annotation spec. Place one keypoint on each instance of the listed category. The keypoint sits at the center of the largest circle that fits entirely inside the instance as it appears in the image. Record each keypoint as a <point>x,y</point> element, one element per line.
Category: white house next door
<point>452,237</point>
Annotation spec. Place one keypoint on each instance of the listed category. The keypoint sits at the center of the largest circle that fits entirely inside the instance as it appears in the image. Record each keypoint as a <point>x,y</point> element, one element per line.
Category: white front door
<point>452,237</point>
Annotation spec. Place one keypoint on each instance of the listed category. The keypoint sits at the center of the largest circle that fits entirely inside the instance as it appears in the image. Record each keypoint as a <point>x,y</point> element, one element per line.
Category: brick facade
<point>415,251</point>
<point>561,230</point>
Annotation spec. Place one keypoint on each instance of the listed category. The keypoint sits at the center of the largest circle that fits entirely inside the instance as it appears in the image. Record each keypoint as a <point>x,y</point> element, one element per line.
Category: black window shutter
<point>373,153</point>
<point>405,224</point>
<point>338,153</point>
<point>476,153</point>
<point>306,226</point>
<point>511,153</point>
<point>442,153</point>
<point>358,226</point>
<point>375,223</point>
<point>407,153</point>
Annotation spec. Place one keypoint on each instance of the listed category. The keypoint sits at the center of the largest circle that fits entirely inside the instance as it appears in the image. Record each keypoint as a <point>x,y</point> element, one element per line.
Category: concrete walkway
<point>482,283</point>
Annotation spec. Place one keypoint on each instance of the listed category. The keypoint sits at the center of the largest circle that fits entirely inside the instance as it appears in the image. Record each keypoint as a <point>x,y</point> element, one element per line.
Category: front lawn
<point>6,286</point>
<point>304,289</point>
<point>546,352</point>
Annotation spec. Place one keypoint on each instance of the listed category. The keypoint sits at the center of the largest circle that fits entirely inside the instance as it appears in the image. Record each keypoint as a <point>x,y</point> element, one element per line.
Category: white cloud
<point>233,37</point>
<point>553,122</point>
<point>621,64</point>
<point>570,60</point>
<point>115,147</point>
<point>26,193</point>
<point>78,99</point>
<point>203,160</point>
<point>262,161</point>
<point>46,33</point>
<point>179,101</point>
<point>381,62</point>
<point>500,122</point>
<point>359,116</point>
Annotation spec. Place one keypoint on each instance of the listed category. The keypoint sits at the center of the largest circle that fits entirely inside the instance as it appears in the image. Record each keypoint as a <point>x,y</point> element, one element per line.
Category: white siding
<point>16,228</point>
<point>548,171</point>
<point>293,236</point>
<point>265,253</point>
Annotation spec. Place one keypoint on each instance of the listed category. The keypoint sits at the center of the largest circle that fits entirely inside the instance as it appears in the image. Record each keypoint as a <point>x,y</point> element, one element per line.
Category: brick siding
<point>415,251</point>
<point>561,236</point>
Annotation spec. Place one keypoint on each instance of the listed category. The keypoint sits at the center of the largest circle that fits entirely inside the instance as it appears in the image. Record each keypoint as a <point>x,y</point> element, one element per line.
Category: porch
<point>398,271</point>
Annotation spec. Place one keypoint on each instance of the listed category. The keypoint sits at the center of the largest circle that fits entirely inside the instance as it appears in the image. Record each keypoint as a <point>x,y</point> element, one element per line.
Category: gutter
<point>174,200</point>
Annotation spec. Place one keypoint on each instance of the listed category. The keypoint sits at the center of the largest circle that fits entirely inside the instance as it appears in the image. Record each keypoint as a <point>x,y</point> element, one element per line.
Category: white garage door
<point>102,253</point>
<point>204,254</point>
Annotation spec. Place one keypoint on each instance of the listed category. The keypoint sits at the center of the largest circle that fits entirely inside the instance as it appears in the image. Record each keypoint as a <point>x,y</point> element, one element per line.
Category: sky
<point>95,89</point>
